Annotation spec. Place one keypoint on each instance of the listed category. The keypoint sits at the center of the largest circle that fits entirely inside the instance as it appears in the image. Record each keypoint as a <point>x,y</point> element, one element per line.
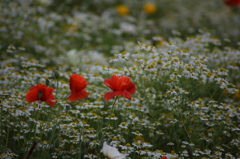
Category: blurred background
<point>53,27</point>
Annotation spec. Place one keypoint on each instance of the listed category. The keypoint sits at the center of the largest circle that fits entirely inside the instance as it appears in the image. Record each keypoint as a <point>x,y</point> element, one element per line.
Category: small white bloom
<point>128,28</point>
<point>45,2</point>
<point>73,57</point>
<point>111,152</point>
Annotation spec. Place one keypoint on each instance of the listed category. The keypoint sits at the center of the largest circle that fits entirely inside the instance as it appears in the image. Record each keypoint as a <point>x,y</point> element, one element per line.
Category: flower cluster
<point>120,85</point>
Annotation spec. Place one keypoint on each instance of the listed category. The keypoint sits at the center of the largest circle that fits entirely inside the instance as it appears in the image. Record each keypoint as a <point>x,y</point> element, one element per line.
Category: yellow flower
<point>149,8</point>
<point>122,10</point>
<point>237,95</point>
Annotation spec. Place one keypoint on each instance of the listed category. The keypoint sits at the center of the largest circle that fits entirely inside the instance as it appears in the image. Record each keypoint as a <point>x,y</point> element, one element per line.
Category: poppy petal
<point>72,97</point>
<point>232,2</point>
<point>77,95</point>
<point>51,100</point>
<point>121,86</point>
<point>127,95</point>
<point>125,80</point>
<point>81,94</point>
<point>77,82</point>
<point>123,94</point>
<point>123,83</point>
<point>109,95</point>
<point>32,96</point>
<point>34,87</point>
<point>108,83</point>
<point>131,88</point>
<point>116,83</point>
<point>47,92</point>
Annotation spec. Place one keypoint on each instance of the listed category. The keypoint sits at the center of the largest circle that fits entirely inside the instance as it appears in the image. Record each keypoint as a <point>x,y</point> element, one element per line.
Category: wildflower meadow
<point>110,79</point>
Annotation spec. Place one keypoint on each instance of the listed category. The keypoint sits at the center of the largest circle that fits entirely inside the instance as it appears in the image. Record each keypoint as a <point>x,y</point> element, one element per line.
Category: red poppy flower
<point>42,93</point>
<point>164,157</point>
<point>121,86</point>
<point>232,2</point>
<point>77,86</point>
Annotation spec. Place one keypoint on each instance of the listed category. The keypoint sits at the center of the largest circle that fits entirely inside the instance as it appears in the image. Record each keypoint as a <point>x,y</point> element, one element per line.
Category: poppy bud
<point>67,107</point>
<point>56,74</point>
<point>47,82</point>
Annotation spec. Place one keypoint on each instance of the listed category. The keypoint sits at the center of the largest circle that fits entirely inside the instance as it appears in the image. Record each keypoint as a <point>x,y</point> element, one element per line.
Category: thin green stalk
<point>51,139</point>
<point>66,96</point>
<point>112,110</point>
<point>35,123</point>
<point>215,91</point>
<point>57,89</point>
<point>200,90</point>
<point>1,127</point>
<point>7,136</point>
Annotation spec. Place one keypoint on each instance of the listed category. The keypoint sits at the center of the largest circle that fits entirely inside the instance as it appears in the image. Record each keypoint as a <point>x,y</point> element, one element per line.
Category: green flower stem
<point>57,89</point>
<point>112,110</point>
<point>1,127</point>
<point>7,136</point>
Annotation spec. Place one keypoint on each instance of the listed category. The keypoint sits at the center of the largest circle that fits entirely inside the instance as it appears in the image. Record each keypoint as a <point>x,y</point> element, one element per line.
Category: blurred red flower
<point>42,93</point>
<point>121,86</point>
<point>77,86</point>
<point>232,2</point>
<point>164,157</point>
